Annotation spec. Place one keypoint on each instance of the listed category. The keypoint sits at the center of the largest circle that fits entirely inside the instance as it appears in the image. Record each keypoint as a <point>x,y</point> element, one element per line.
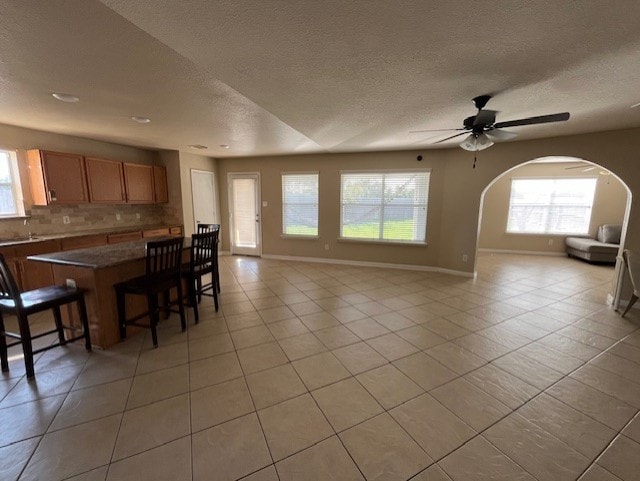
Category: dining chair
<point>163,261</point>
<point>201,263</point>
<point>213,228</point>
<point>23,304</point>
<point>633,268</point>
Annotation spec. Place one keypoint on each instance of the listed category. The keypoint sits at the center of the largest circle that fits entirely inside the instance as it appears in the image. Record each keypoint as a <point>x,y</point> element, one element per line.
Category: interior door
<point>203,194</point>
<point>244,214</point>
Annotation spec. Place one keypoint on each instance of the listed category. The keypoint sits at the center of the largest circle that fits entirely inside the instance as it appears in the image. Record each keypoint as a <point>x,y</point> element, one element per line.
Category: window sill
<point>15,217</point>
<point>549,234</point>
<point>301,237</point>
<point>381,242</point>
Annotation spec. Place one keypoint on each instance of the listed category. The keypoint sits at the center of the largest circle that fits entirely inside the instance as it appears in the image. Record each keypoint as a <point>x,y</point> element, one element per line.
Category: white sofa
<point>604,248</point>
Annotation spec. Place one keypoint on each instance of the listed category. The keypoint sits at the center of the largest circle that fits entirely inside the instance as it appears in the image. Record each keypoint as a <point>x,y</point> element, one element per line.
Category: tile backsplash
<point>49,219</point>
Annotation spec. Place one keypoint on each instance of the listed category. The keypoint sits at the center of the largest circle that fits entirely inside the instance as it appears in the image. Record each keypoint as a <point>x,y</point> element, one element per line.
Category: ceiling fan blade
<point>542,119</point>
<point>452,137</point>
<point>497,134</point>
<point>433,130</point>
<point>578,167</point>
<point>485,117</point>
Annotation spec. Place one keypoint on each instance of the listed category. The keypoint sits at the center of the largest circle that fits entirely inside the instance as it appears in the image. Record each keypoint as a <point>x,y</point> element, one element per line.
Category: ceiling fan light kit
<point>475,142</point>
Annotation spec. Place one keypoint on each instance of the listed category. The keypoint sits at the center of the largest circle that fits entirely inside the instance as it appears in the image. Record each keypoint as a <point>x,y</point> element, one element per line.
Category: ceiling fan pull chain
<point>475,158</point>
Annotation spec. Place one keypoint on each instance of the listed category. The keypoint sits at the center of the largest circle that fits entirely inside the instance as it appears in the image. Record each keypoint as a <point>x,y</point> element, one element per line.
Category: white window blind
<point>10,200</point>
<point>551,206</point>
<point>385,206</point>
<point>300,204</point>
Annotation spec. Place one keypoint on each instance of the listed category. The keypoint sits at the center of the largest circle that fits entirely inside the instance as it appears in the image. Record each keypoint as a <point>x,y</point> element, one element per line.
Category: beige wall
<point>48,219</point>
<point>609,207</point>
<point>187,163</point>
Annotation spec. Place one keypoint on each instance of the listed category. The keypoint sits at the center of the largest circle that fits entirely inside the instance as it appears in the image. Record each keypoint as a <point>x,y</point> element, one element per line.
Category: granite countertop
<point>102,256</point>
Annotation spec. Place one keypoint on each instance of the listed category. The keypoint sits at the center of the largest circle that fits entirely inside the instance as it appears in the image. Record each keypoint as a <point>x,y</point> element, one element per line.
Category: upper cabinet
<point>139,183</point>
<point>57,178</point>
<point>160,184</point>
<point>106,181</point>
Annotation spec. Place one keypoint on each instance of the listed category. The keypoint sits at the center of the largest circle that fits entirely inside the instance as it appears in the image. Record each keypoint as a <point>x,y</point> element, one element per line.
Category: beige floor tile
<point>389,386</point>
<point>293,425</point>
<point>432,473</point>
<point>72,354</point>
<point>582,433</point>
<point>632,430</point>
<point>504,336</point>
<point>74,450</point>
<point>208,346</point>
<point>393,320</point>
<point>304,308</point>
<point>98,474</point>
<point>445,328</point>
<point>213,370</point>
<point>27,420</point>
<point>169,462</point>
<point>274,385</point>
<point>259,358</point>
<point>528,369</point>
<point>208,327</point>
<point>470,403</point>
<point>392,346</point>
<point>230,450</point>
<point>241,307</point>
<point>425,371</point>
<point>604,329</point>
<point>420,337</point>
<point>251,336</point>
<point>347,314</point>
<point>102,369</point>
<point>501,385</point>
<point>152,425</point>
<point>569,346</point>
<point>92,403</point>
<point>436,429</point>
<point>596,473</point>
<point>14,457</point>
<point>319,320</point>
<point>304,345</point>
<point>481,461</point>
<point>335,337</point>
<point>586,337</point>
<point>236,322</point>
<point>482,346</point>
<point>158,385</point>
<point>541,454</point>
<point>327,460</point>
<point>266,474</point>
<point>622,458</point>
<point>367,328</point>
<point>609,383</point>
<point>618,365</point>
<point>346,403</point>
<point>275,314</point>
<point>456,358</point>
<point>320,370</point>
<point>266,302</point>
<point>359,357</point>
<point>383,450</point>
<point>217,404</point>
<point>287,328</point>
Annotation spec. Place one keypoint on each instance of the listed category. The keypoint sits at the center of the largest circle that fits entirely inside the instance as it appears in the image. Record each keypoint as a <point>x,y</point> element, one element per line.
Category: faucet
<point>26,222</point>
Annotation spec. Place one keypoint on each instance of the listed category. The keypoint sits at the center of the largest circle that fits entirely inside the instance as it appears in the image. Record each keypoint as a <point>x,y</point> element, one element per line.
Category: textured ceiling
<point>270,77</point>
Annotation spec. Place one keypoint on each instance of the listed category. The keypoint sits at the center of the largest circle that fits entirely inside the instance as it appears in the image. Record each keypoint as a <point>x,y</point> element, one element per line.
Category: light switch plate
<point>66,220</point>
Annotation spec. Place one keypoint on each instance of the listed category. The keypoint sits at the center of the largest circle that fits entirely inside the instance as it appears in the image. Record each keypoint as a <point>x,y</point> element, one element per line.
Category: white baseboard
<point>530,253</point>
<point>387,265</point>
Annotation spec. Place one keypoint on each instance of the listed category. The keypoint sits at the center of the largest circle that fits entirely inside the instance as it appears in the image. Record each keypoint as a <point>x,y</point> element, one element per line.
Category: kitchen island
<point>97,269</point>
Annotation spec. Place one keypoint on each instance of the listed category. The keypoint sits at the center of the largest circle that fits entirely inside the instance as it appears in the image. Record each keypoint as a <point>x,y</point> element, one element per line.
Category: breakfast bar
<point>96,270</point>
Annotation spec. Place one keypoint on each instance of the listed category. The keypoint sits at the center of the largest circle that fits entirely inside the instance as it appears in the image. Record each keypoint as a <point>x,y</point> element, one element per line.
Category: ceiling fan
<point>588,168</point>
<point>482,129</point>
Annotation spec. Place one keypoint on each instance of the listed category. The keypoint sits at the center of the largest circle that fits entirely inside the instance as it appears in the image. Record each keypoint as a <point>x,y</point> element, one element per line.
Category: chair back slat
<point>8,286</point>
<point>201,228</point>
<point>164,257</point>
<point>202,250</point>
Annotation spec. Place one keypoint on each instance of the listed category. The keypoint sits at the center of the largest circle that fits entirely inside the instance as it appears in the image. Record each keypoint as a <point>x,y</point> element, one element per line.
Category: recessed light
<point>198,147</point>
<point>635,105</point>
<point>224,146</point>
<point>66,97</point>
<point>141,120</point>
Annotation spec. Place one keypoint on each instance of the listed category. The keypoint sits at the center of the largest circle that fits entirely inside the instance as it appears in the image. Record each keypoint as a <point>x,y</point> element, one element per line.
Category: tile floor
<point>319,372</point>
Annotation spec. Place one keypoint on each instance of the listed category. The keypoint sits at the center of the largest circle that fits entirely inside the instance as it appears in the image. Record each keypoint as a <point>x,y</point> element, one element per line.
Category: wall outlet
<point>465,257</point>
<point>66,220</point>
<point>265,203</point>
<point>550,242</point>
<point>137,216</point>
<point>71,283</point>
<point>326,247</point>
<point>118,216</point>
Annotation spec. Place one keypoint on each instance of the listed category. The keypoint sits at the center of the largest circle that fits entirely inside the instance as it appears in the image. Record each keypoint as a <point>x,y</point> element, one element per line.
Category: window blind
<point>300,204</point>
<point>8,201</point>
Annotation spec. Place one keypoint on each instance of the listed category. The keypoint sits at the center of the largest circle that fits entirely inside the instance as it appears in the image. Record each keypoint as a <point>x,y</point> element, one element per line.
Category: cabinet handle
<point>52,195</point>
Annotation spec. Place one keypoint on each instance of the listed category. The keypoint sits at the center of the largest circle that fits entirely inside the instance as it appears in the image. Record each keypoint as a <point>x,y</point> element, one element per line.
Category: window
<point>10,192</point>
<point>551,206</point>
<point>300,204</point>
<point>384,206</point>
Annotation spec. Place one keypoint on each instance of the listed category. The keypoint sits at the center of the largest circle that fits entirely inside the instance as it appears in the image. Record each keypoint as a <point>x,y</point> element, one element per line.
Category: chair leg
<point>215,294</point>
<point>193,300</point>
<point>122,320</point>
<point>27,349</point>
<point>4,359</point>
<point>152,301</point>
<point>199,288</point>
<point>183,321</point>
<point>82,310</point>
<point>632,301</point>
<point>166,299</point>
<point>57,317</point>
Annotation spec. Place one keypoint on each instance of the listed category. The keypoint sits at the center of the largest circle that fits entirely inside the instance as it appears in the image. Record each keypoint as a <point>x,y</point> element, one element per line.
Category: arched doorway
<point>611,205</point>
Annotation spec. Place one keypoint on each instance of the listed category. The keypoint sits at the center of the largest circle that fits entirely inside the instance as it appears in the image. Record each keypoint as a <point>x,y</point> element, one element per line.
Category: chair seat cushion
<point>44,296</point>
<point>587,244</point>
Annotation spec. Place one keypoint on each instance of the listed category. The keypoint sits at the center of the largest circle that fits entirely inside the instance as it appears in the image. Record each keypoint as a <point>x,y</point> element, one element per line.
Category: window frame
<point>284,234</point>
<point>379,240</point>
<point>15,184</point>
<point>548,206</point>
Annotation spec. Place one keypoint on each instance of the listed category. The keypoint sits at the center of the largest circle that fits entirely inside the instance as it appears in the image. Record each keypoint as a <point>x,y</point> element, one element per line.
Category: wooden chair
<point>213,228</point>
<point>633,268</point>
<point>12,301</point>
<point>163,261</point>
<point>201,263</point>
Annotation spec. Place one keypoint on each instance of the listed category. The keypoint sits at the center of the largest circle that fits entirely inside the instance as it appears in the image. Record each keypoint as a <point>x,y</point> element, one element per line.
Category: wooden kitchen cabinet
<point>106,181</point>
<point>164,231</point>
<point>124,237</point>
<point>57,178</point>
<point>33,274</point>
<point>82,242</point>
<point>160,188</point>
<point>138,181</point>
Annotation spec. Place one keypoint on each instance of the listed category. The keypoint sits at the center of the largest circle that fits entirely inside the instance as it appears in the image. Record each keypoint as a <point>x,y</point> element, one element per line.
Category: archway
<point>612,204</point>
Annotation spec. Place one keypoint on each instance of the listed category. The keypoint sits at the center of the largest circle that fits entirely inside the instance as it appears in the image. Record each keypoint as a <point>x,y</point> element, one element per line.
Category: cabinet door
<point>139,183</point>
<point>160,184</point>
<point>106,181</point>
<point>35,274</point>
<point>65,180</point>
<point>124,237</point>
<point>83,242</point>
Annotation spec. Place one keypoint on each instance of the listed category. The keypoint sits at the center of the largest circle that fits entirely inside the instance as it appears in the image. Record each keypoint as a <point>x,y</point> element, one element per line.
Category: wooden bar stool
<point>12,301</point>
<point>213,228</point>
<point>200,264</point>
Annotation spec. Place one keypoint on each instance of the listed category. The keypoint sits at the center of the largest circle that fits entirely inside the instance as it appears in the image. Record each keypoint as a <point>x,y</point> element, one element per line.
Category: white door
<point>203,193</point>
<point>244,214</point>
